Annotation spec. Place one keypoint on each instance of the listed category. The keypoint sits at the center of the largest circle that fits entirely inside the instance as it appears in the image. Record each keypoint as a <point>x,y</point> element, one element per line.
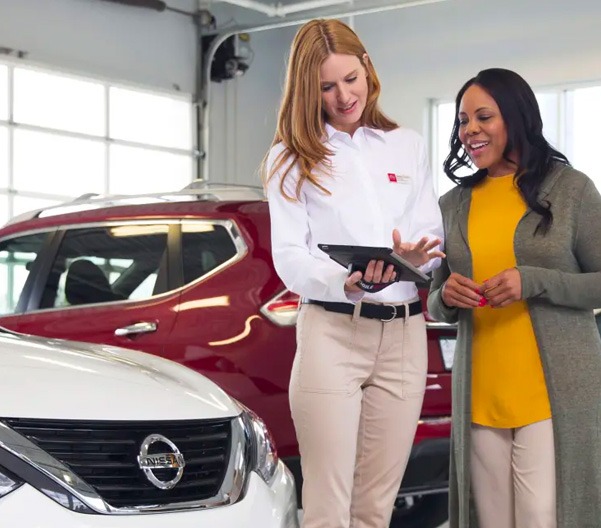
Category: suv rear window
<point>204,247</point>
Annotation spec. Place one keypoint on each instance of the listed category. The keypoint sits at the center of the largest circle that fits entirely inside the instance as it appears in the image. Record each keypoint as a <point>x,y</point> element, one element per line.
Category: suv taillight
<point>282,309</point>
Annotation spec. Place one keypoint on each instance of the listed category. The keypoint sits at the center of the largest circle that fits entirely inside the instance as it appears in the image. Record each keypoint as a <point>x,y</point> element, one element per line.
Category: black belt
<point>383,312</point>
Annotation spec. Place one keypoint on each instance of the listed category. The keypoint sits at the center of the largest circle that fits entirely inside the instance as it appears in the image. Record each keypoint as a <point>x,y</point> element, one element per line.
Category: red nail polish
<point>483,302</point>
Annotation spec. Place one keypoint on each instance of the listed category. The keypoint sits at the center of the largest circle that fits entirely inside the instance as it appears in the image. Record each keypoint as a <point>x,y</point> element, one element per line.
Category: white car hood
<point>56,379</point>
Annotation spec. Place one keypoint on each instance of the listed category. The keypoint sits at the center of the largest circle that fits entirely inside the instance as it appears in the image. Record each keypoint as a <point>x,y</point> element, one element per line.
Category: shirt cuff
<point>354,297</point>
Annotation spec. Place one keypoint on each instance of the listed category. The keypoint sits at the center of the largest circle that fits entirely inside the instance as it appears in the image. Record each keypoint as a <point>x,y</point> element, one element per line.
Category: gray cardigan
<point>561,282</point>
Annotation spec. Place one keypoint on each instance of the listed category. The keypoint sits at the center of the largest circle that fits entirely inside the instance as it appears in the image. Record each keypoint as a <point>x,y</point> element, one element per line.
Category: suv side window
<point>17,256</point>
<point>204,247</point>
<point>107,263</point>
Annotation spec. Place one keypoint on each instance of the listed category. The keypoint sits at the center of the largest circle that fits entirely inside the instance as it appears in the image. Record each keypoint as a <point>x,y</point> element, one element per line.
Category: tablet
<point>357,258</point>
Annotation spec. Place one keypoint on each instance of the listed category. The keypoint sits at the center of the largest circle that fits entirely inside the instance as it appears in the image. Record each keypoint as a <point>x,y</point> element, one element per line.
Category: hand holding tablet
<point>357,258</point>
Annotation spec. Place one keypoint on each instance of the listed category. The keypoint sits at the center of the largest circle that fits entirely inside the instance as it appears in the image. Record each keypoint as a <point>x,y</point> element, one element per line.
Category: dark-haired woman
<point>521,279</point>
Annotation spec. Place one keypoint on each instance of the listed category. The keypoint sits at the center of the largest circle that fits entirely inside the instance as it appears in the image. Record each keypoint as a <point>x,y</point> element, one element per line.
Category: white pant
<point>356,394</point>
<point>513,476</point>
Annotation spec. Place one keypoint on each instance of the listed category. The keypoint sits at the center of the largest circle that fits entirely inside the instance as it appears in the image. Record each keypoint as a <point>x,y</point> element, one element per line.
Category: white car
<point>96,436</point>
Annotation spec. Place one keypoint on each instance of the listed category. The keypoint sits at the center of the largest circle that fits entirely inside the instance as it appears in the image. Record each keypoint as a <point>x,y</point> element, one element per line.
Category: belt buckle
<point>394,312</point>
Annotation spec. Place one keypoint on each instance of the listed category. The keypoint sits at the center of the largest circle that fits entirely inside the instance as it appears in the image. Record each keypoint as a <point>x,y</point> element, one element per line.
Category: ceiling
<point>258,12</point>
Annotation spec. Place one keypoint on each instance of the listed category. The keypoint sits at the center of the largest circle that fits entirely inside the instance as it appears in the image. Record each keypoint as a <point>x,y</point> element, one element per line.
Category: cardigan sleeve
<point>581,290</point>
<point>436,307</point>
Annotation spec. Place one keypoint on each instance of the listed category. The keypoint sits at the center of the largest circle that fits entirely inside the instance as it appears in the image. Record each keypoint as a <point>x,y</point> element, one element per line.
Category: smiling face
<point>483,133</point>
<point>344,91</point>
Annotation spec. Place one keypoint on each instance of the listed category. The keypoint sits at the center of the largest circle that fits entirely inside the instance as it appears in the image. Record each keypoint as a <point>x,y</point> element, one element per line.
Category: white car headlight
<point>263,454</point>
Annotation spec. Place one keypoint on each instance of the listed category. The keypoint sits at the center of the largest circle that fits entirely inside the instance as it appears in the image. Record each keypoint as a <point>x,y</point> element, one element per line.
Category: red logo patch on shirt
<point>392,177</point>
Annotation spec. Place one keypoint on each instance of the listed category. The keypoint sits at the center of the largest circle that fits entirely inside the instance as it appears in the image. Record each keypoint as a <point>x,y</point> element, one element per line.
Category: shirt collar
<point>376,131</point>
<point>331,131</point>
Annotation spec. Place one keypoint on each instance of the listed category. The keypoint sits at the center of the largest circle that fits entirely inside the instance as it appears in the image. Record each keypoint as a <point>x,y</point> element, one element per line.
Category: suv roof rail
<point>221,191</point>
<point>197,190</point>
<point>85,196</point>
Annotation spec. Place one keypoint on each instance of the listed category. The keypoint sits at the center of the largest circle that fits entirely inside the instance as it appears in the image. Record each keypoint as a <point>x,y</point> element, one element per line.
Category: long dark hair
<point>521,114</point>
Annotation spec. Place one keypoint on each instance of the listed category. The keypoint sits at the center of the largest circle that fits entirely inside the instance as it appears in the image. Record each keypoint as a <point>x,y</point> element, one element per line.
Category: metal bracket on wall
<point>11,52</point>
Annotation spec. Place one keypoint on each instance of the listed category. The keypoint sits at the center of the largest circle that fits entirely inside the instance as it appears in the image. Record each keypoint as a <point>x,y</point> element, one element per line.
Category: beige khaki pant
<point>513,476</point>
<point>356,393</point>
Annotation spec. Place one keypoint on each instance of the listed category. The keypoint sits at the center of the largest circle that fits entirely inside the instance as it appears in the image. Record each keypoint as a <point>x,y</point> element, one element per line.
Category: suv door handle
<point>143,327</point>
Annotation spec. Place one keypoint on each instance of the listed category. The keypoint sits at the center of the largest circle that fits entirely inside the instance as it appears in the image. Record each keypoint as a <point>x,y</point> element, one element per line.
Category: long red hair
<point>301,123</point>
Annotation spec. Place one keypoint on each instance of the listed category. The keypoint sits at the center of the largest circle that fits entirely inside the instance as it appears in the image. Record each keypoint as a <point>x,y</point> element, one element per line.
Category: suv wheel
<point>420,511</point>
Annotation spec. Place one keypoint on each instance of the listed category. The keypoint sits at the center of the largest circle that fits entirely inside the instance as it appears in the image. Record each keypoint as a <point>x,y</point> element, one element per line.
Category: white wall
<point>422,53</point>
<point>244,111</point>
<point>138,46</point>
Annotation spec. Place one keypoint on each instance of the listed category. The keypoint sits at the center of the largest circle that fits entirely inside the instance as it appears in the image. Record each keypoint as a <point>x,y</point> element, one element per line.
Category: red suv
<point>189,276</point>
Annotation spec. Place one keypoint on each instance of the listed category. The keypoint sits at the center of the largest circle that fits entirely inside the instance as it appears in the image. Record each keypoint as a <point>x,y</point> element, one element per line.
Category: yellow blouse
<point>508,384</point>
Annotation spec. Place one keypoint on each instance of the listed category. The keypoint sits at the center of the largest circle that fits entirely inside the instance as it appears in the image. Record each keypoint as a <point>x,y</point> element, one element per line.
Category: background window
<point>443,125</point>
<point>152,119</point>
<point>3,157</point>
<point>59,102</point>
<point>67,128</point>
<point>548,102</point>
<point>59,165</point>
<point>23,204</point>
<point>4,211</point>
<point>136,170</point>
<point>584,110</point>
<point>3,92</point>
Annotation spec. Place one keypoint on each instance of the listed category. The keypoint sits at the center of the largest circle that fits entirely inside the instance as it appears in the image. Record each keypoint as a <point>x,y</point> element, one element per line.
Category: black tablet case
<point>357,257</point>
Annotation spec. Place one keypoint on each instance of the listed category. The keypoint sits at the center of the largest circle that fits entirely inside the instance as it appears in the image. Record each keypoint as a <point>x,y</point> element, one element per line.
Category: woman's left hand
<point>503,289</point>
<point>419,253</point>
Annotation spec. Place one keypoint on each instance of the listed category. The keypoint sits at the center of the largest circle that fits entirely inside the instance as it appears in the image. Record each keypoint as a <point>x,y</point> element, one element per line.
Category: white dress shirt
<point>379,181</point>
